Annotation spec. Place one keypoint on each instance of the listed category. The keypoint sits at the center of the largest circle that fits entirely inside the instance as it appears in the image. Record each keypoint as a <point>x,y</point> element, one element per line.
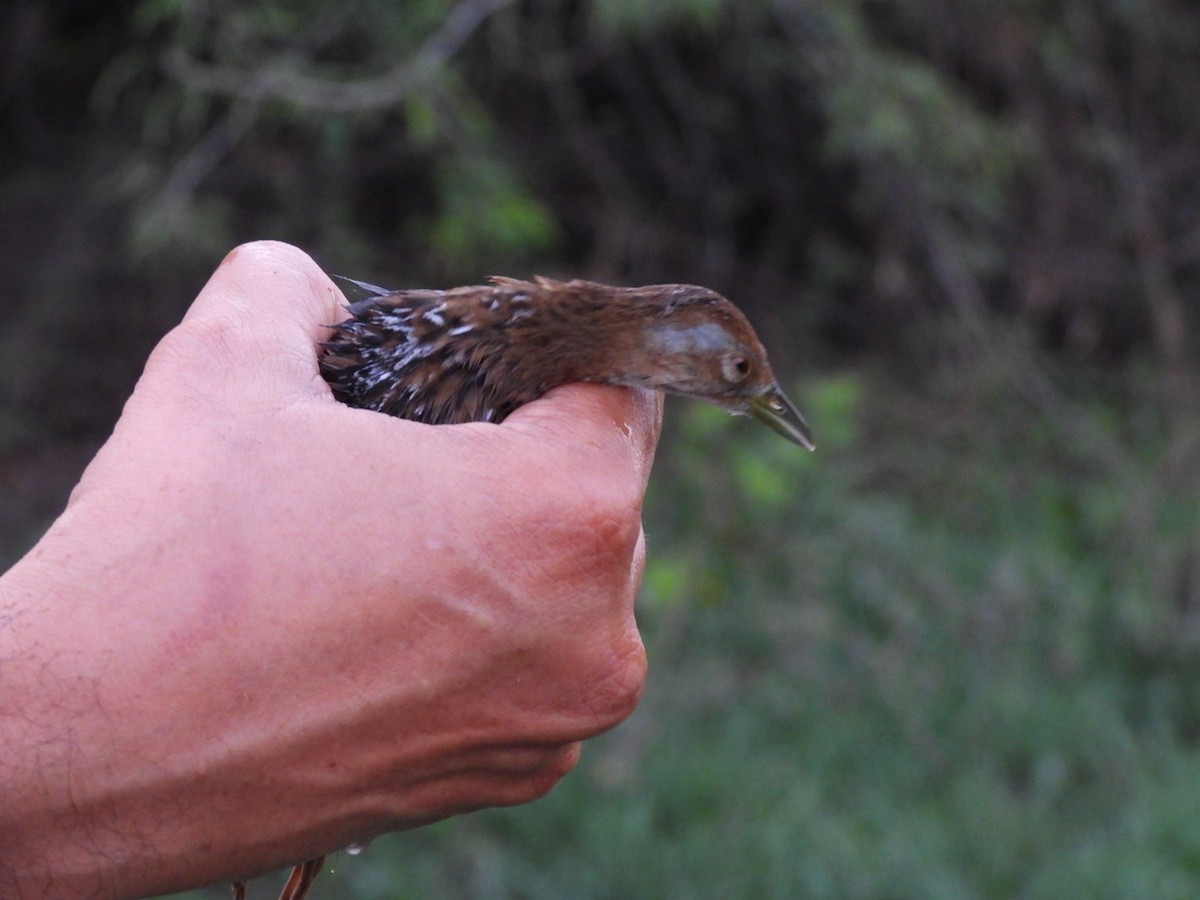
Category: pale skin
<point>268,626</point>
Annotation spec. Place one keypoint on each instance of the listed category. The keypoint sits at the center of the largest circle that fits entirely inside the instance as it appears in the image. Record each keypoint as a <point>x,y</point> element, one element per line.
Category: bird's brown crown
<point>474,354</point>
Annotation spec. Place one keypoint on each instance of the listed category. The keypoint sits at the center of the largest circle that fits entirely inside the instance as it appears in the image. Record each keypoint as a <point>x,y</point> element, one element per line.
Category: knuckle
<point>618,689</point>
<point>586,534</point>
<point>534,783</point>
<point>203,343</point>
<point>558,765</point>
<point>538,784</point>
<point>605,522</point>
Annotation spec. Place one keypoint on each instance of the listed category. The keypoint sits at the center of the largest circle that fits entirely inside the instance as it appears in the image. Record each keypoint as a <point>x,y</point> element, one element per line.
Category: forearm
<point>80,806</point>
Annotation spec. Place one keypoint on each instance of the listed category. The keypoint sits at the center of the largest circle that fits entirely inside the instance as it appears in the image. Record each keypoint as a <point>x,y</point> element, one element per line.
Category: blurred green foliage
<point>859,691</point>
<point>954,653</point>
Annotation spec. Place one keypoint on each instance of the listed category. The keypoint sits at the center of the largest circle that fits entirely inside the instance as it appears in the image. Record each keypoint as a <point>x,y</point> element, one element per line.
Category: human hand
<point>269,625</point>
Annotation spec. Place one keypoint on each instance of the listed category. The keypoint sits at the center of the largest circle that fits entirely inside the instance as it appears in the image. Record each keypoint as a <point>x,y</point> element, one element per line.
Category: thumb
<point>256,322</point>
<point>270,281</point>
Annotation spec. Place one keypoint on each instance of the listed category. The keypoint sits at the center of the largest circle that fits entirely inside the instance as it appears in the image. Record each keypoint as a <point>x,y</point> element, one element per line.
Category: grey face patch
<point>693,340</point>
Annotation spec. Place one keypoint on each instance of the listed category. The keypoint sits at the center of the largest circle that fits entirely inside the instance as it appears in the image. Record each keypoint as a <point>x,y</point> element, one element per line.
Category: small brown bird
<point>475,354</point>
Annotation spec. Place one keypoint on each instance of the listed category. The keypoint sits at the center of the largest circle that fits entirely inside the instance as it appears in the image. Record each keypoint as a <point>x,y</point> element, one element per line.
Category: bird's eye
<point>735,368</point>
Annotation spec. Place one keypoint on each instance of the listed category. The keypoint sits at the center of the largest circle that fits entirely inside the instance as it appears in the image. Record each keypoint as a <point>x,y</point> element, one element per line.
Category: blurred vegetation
<point>956,652</point>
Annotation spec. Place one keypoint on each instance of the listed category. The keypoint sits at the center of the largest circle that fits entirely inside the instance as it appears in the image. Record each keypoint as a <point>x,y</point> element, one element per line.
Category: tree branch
<point>282,79</point>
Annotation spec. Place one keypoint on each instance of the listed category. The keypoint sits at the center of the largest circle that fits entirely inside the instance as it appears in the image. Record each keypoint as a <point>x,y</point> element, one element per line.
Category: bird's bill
<point>779,414</point>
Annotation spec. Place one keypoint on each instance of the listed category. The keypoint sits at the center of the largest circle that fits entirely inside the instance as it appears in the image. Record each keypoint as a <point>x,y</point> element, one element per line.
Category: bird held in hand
<point>475,354</point>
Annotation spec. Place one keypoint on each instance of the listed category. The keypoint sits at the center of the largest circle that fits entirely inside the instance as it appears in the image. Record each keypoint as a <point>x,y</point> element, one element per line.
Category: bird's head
<point>693,341</point>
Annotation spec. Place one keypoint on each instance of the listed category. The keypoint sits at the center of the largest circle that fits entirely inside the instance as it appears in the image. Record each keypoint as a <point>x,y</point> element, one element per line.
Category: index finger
<point>602,417</point>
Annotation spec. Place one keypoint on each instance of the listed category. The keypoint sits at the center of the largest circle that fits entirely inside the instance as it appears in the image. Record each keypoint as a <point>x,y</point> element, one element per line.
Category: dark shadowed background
<point>956,652</point>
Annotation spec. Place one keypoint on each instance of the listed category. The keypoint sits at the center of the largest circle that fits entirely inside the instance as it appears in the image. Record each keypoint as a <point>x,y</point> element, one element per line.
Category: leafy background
<point>955,653</point>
